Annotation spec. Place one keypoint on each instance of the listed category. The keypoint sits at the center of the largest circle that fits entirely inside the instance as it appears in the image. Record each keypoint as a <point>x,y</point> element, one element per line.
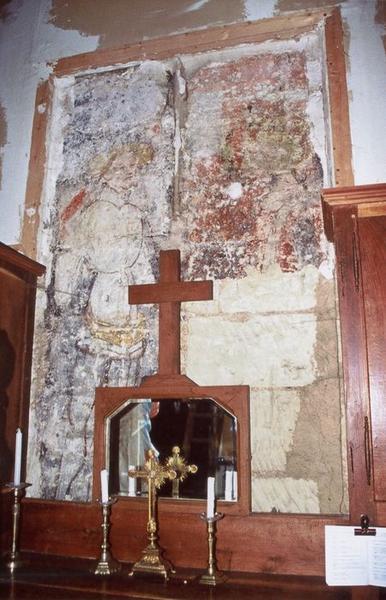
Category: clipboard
<point>355,555</point>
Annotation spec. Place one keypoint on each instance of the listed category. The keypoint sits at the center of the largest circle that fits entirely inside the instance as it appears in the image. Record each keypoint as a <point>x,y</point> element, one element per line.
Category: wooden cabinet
<point>18,275</point>
<point>355,220</point>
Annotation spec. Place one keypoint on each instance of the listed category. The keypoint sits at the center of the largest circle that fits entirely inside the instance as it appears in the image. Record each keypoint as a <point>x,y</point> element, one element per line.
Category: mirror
<point>203,430</point>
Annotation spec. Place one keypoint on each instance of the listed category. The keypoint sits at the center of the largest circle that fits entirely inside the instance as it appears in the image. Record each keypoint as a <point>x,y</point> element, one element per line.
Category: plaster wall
<point>33,34</point>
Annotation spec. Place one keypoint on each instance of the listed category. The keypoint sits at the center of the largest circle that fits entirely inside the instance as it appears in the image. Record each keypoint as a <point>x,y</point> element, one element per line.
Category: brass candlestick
<point>212,576</point>
<point>14,561</point>
<point>152,561</point>
<point>107,565</point>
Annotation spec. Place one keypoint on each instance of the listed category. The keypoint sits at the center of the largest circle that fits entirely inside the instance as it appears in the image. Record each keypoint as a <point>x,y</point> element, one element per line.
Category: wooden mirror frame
<point>234,399</point>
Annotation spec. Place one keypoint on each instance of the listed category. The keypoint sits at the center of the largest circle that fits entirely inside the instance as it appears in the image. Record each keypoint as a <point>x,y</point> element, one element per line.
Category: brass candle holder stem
<point>212,576</point>
<point>13,560</point>
<point>107,565</point>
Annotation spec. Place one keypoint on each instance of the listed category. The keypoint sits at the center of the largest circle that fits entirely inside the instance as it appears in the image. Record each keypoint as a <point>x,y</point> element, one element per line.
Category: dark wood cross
<point>169,293</point>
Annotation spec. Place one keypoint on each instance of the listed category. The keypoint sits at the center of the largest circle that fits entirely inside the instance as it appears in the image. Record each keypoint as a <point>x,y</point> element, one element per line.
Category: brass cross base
<point>152,562</point>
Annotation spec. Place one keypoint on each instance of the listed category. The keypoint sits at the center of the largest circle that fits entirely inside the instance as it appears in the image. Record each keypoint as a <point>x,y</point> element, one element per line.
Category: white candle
<point>210,500</point>
<point>234,497</point>
<point>18,447</point>
<point>132,482</point>
<point>104,486</point>
<point>228,485</point>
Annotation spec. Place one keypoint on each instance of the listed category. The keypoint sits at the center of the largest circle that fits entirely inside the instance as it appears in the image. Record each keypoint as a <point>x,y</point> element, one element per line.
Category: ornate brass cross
<point>178,463</point>
<point>155,474</point>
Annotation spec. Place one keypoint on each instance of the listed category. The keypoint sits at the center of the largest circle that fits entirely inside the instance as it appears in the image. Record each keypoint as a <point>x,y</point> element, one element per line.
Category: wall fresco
<point>222,156</point>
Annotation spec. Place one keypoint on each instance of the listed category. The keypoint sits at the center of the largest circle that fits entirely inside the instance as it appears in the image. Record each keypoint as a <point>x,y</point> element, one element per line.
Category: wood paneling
<point>17,302</point>
<point>372,235</point>
<point>287,544</point>
<point>360,242</point>
<point>354,364</point>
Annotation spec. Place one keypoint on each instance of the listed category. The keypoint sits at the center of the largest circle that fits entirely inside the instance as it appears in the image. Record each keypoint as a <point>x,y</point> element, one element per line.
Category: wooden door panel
<point>12,342</point>
<point>372,235</point>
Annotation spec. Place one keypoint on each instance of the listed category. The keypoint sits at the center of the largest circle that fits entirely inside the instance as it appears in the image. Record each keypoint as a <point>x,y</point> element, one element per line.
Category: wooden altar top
<point>55,577</point>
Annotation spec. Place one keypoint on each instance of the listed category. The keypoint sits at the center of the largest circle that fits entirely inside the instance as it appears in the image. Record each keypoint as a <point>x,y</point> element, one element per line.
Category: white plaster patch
<point>259,9</point>
<point>235,190</point>
<point>319,121</point>
<point>256,350</point>
<point>326,268</point>
<point>273,420</point>
<point>285,495</point>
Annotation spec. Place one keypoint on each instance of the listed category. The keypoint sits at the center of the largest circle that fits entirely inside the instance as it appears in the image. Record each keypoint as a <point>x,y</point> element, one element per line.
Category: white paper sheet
<point>354,559</point>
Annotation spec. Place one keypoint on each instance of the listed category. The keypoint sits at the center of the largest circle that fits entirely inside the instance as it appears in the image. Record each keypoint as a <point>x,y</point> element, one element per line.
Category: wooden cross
<point>169,293</point>
<point>178,464</point>
<point>155,474</point>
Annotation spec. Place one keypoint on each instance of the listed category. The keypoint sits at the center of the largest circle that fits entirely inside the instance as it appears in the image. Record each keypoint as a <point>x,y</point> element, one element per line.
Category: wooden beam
<point>36,169</point>
<point>338,97</point>
<point>216,38</point>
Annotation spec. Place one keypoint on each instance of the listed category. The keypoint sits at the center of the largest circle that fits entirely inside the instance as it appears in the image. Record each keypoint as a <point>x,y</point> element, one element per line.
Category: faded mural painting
<point>223,156</point>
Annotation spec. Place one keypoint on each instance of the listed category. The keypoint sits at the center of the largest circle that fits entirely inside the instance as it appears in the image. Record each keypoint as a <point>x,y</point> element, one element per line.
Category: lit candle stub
<point>228,486</point>
<point>18,448</point>
<point>105,486</point>
<point>210,500</point>
<point>132,482</point>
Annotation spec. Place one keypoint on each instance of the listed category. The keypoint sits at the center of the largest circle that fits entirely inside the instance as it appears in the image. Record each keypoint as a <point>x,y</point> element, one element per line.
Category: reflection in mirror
<point>203,430</point>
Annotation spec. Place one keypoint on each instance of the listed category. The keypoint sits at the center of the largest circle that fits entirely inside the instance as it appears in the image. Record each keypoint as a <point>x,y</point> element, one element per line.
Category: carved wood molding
<point>364,201</point>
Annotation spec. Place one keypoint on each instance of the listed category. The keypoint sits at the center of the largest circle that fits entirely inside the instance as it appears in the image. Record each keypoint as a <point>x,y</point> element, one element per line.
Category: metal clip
<point>364,529</point>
